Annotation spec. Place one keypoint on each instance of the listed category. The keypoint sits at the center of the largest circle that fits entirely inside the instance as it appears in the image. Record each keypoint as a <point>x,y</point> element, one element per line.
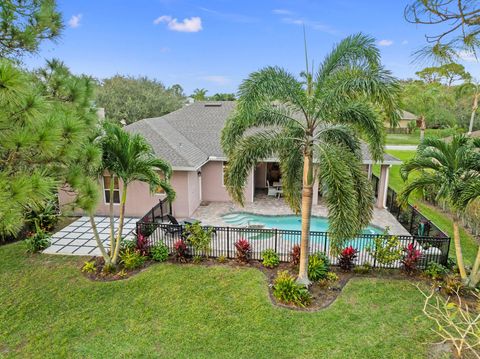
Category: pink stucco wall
<point>213,189</point>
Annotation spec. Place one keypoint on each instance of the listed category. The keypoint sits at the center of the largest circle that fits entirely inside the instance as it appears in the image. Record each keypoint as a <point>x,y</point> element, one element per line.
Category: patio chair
<point>174,221</point>
<point>272,191</point>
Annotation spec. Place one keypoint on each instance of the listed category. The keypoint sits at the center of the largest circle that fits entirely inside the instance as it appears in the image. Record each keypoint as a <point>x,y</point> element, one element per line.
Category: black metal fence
<point>416,223</point>
<point>282,242</point>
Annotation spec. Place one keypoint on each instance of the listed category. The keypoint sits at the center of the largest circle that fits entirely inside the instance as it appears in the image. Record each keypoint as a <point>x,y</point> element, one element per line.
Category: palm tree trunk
<point>458,249</point>
<point>307,192</point>
<point>120,224</point>
<point>475,274</point>
<point>112,224</point>
<point>472,116</point>
<point>100,245</point>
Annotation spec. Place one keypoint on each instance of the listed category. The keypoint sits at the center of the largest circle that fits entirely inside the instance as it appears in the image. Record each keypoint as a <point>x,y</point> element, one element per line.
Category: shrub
<point>332,277</point>
<point>199,238</point>
<point>127,244</point>
<point>270,258</point>
<point>197,259</point>
<point>411,258</point>
<point>243,250</point>
<point>180,251</point>
<point>452,284</point>
<point>347,257</point>
<point>89,267</point>
<point>295,255</point>
<point>221,259</point>
<point>386,249</point>
<point>435,270</point>
<point>45,217</point>
<point>143,245</point>
<point>37,241</point>
<point>109,268</point>
<point>287,291</point>
<point>132,259</point>
<point>318,266</point>
<point>363,269</point>
<point>159,252</point>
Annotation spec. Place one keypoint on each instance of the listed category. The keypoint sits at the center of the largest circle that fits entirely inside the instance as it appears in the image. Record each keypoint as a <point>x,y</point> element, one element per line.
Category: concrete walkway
<point>78,239</point>
<point>401,147</point>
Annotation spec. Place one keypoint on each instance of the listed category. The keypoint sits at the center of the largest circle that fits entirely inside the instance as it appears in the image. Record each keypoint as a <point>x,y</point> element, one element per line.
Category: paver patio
<point>78,239</point>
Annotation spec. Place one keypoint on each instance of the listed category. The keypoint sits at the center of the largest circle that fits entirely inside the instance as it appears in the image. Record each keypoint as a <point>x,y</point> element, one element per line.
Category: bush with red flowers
<point>180,251</point>
<point>347,258</point>
<point>411,258</point>
<point>243,250</point>
<point>143,244</point>
<point>295,255</point>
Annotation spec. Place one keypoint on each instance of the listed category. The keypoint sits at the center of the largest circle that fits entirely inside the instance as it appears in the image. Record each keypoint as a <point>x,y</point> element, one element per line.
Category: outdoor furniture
<point>272,190</point>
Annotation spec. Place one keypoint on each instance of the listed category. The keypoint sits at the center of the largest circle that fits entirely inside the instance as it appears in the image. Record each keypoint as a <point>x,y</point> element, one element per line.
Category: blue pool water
<point>291,222</point>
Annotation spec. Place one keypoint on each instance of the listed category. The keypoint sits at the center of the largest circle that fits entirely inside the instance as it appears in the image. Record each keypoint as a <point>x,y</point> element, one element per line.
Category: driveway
<point>78,239</point>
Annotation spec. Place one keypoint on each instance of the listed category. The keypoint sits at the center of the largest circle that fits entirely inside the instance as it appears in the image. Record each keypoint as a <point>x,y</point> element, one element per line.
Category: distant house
<point>405,118</point>
<point>189,139</point>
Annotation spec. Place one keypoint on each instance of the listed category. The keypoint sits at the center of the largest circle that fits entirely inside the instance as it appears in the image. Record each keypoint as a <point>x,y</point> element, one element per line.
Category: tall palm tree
<point>312,124</point>
<point>131,158</point>
<point>199,94</point>
<point>452,169</point>
<point>471,88</point>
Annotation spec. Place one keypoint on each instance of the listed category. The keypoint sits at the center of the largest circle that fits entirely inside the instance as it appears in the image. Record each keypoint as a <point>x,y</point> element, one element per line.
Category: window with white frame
<point>159,189</point>
<point>106,189</point>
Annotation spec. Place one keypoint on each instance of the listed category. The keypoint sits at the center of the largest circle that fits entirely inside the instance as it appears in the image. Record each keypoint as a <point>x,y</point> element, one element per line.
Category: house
<point>405,118</point>
<point>189,139</point>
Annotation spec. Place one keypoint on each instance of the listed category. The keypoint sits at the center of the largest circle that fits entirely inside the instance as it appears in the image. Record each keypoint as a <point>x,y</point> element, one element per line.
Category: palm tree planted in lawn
<point>312,124</point>
<point>452,171</point>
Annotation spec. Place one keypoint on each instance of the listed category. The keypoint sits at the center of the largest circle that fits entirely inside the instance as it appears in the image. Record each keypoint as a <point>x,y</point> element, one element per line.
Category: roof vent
<point>213,104</point>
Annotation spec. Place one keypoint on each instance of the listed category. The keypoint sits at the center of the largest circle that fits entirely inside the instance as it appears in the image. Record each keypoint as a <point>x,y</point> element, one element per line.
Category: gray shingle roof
<point>188,137</point>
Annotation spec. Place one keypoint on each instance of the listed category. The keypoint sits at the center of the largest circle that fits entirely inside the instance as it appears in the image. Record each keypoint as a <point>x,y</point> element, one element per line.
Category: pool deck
<point>210,213</point>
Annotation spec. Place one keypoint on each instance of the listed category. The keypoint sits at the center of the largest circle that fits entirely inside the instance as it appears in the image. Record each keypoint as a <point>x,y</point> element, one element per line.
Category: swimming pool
<point>289,222</point>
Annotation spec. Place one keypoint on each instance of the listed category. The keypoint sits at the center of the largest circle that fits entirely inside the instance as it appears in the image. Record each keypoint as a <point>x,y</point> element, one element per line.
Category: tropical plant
<point>435,270</point>
<point>89,267</point>
<point>270,258</point>
<point>129,99</point>
<point>132,259</point>
<point>287,291</point>
<point>295,255</point>
<point>347,258</point>
<point>386,249</point>
<point>472,89</point>
<point>180,250</point>
<point>38,241</point>
<point>128,157</point>
<point>46,216</point>
<point>411,258</point>
<point>142,245</point>
<point>318,266</point>
<point>199,94</point>
<point>363,269</point>
<point>453,169</point>
<point>243,250</point>
<point>24,24</point>
<point>313,124</point>
<point>199,237</point>
<point>159,252</point>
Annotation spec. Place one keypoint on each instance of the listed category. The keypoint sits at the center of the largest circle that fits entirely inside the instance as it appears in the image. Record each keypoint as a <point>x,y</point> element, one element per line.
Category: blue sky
<point>215,44</point>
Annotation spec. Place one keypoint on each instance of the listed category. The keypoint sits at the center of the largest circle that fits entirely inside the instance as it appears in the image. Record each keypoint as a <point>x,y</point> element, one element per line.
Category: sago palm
<point>313,125</point>
<point>452,171</point>
<point>131,158</point>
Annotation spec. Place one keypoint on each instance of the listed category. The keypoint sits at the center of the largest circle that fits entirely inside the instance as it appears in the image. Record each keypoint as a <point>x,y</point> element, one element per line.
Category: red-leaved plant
<point>295,255</point>
<point>143,244</point>
<point>347,257</point>
<point>243,250</point>
<point>411,258</point>
<point>180,251</point>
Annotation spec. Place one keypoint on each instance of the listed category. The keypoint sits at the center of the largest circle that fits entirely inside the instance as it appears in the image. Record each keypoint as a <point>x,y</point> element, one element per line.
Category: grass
<point>177,311</point>
<point>435,214</point>
<point>414,138</point>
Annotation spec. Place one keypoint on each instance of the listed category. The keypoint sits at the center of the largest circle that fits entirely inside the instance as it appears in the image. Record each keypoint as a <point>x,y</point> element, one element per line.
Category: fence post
<point>228,242</point>
<point>153,215</point>
<point>411,221</point>
<point>276,235</point>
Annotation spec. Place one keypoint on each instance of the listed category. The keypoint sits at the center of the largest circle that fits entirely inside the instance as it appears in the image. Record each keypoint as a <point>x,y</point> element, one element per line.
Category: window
<point>106,189</point>
<point>224,174</point>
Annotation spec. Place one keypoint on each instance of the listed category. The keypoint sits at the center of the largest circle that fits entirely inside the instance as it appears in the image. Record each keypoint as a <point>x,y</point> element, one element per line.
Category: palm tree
<point>471,88</point>
<point>452,170</point>
<point>130,157</point>
<point>313,125</point>
<point>199,94</point>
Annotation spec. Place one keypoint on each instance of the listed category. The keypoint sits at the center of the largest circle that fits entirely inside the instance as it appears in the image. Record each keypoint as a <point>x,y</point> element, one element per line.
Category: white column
<point>369,171</point>
<point>383,186</point>
<point>315,192</point>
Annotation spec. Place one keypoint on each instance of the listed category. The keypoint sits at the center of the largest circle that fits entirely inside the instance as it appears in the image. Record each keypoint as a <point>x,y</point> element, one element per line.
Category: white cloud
<point>404,42</point>
<point>74,21</point>
<point>385,43</point>
<point>193,24</point>
<point>467,56</point>
<point>282,12</point>
<point>315,25</point>
<point>217,79</point>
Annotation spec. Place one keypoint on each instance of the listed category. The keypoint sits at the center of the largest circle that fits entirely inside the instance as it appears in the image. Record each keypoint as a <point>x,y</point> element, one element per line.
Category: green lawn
<point>185,311</point>
<point>435,214</point>
<point>414,138</point>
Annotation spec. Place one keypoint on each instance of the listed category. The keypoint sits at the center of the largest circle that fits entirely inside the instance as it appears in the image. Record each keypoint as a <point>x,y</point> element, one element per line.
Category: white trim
<point>365,162</point>
<point>384,204</point>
